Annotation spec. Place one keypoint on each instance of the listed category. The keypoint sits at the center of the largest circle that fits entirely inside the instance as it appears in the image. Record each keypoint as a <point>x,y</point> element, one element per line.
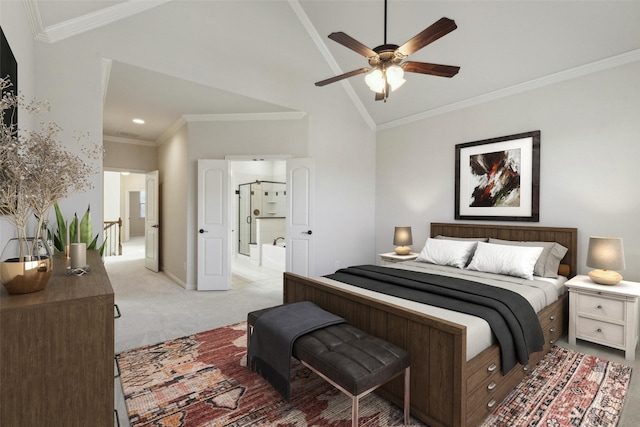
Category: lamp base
<point>605,277</point>
<point>403,250</point>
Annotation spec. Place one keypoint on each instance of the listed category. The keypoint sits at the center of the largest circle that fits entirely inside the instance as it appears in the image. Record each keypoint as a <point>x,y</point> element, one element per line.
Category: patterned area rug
<point>202,381</point>
<point>566,388</point>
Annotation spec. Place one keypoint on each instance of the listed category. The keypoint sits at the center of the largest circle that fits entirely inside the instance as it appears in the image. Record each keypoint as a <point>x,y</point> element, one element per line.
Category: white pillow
<point>447,252</point>
<point>549,261</point>
<point>505,259</point>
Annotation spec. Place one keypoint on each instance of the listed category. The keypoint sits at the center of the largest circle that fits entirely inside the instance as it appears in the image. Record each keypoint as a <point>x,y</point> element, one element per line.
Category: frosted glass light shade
<point>375,80</point>
<point>395,76</point>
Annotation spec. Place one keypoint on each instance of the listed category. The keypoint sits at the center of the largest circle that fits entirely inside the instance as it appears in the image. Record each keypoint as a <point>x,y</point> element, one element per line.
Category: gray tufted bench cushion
<point>351,360</point>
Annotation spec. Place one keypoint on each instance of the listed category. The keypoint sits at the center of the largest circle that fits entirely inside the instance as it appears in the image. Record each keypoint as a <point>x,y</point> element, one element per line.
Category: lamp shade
<point>605,253</point>
<point>402,236</point>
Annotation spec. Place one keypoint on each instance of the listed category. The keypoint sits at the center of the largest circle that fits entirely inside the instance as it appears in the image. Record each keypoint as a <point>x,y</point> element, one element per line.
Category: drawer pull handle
<point>491,404</point>
<point>492,386</point>
<point>552,317</point>
<point>491,368</point>
<point>598,330</point>
<point>525,368</point>
<point>118,314</point>
<point>552,330</point>
<point>599,307</point>
<point>552,341</point>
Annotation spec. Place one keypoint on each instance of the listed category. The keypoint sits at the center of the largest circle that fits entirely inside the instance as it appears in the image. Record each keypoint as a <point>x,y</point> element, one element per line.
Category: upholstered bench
<point>353,361</point>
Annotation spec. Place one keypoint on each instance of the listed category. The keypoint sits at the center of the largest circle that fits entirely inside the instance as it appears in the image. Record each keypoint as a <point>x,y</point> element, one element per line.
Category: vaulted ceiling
<point>502,47</point>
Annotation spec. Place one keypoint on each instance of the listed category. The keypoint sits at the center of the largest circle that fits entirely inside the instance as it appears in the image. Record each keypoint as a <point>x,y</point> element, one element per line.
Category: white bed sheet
<point>540,293</point>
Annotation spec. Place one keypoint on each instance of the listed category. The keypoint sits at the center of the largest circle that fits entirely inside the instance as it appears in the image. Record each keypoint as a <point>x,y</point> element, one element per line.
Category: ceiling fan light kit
<point>386,69</point>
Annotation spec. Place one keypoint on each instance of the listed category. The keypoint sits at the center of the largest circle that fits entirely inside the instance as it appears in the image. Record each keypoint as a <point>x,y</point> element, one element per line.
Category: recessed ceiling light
<point>138,121</point>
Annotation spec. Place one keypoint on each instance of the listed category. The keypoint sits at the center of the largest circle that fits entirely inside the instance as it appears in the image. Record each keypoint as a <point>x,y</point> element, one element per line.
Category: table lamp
<point>606,255</point>
<point>402,239</point>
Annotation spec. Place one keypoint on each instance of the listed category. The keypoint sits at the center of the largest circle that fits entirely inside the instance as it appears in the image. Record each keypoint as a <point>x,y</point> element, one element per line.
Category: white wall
<point>70,78</point>
<point>130,157</point>
<point>590,147</point>
<point>111,211</point>
<point>173,166</point>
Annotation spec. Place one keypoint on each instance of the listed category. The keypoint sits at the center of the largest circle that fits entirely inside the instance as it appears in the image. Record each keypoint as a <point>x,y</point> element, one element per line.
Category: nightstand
<point>602,314</point>
<point>392,258</point>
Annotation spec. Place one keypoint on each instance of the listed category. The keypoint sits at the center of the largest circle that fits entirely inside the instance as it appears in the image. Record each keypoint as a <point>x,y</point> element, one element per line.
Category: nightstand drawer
<point>598,331</point>
<point>597,305</point>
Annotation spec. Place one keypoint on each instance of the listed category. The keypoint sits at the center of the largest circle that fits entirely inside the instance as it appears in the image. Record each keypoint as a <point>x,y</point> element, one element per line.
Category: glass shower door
<point>244,218</point>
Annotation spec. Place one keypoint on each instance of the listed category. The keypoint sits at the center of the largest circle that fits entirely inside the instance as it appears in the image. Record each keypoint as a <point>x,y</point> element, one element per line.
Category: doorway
<point>136,213</point>
<point>259,200</point>
<point>125,198</point>
<point>258,207</point>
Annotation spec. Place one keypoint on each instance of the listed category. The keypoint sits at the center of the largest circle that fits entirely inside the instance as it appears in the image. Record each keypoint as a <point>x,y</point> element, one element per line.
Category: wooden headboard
<point>567,237</point>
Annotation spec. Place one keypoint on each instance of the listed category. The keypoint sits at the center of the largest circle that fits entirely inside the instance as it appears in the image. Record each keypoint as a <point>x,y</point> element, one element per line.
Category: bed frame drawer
<point>484,369</point>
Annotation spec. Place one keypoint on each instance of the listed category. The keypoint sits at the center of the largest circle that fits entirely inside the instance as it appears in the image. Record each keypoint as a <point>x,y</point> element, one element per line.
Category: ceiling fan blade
<point>432,69</point>
<point>342,76</point>
<point>353,44</point>
<point>439,29</point>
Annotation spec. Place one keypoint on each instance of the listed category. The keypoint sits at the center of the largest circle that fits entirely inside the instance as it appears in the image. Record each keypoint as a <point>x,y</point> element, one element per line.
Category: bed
<point>448,388</point>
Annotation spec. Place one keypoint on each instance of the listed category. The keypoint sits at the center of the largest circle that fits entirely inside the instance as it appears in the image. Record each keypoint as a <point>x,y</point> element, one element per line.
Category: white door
<point>151,223</point>
<point>214,227</point>
<point>300,181</point>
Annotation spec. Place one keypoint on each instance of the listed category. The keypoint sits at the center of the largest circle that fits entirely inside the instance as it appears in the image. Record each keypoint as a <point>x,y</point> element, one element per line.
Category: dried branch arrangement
<point>36,170</point>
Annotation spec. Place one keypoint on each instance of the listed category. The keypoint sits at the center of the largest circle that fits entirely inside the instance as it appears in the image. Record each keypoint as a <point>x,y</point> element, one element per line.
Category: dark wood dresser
<point>57,351</point>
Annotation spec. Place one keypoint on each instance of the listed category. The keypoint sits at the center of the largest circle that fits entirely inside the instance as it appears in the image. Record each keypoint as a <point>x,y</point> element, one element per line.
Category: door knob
<point>202,231</point>
<point>156,226</point>
<point>307,232</point>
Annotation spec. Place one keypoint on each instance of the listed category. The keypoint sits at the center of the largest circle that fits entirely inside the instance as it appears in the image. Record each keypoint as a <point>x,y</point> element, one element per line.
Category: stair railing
<point>113,237</point>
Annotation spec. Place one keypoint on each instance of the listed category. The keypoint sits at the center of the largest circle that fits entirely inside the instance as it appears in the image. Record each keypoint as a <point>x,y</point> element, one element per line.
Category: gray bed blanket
<point>513,321</point>
<point>273,336</point>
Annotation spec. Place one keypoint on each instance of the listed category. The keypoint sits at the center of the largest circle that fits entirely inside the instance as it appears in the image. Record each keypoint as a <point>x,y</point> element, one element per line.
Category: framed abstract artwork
<point>8,68</point>
<point>498,179</point>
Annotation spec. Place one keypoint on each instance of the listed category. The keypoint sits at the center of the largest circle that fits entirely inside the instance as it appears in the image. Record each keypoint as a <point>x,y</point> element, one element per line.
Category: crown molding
<point>32,12</point>
<point>121,140</point>
<point>322,47</point>
<point>286,115</point>
<point>81,24</point>
<point>594,67</point>
<point>171,130</point>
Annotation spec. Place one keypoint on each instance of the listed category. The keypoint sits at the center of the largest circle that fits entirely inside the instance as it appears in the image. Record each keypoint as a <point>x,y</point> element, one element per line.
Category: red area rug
<point>202,381</point>
<point>566,388</point>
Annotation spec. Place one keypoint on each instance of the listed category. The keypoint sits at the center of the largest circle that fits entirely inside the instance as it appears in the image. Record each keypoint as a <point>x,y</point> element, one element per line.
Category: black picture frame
<point>498,179</point>
<point>8,67</point>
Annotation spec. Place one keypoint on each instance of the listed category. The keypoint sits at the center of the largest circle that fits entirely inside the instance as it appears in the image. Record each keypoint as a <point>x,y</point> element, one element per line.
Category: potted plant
<point>35,172</point>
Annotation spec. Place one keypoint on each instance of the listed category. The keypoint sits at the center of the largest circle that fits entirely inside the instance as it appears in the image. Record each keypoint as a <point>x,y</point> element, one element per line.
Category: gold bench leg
<point>407,392</point>
<point>354,411</point>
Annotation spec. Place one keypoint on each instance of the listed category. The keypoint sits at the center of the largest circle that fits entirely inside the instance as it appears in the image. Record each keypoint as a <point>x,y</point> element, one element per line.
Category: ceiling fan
<point>386,69</point>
